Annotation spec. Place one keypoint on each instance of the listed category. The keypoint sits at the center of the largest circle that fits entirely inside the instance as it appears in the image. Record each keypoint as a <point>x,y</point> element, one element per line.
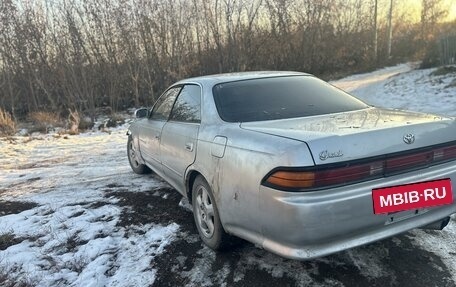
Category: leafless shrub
<point>101,56</point>
<point>45,117</point>
<point>7,279</point>
<point>452,84</point>
<point>45,121</point>
<point>6,239</point>
<point>73,122</point>
<point>7,124</point>
<point>115,120</point>
<point>444,71</point>
<point>86,123</point>
<point>8,276</point>
<point>77,264</point>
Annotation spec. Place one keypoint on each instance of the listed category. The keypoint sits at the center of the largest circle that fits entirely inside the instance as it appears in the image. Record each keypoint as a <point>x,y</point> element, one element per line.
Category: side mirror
<point>141,113</point>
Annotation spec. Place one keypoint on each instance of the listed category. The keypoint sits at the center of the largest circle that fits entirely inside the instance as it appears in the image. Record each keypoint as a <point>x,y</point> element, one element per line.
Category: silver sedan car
<point>295,165</point>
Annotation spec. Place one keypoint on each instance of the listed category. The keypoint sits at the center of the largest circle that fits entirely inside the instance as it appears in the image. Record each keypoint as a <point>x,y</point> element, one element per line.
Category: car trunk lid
<point>361,134</point>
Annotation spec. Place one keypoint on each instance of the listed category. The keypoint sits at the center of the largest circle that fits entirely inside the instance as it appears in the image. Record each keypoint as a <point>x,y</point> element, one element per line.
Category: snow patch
<point>415,90</point>
<point>73,237</point>
<point>185,204</point>
<point>442,243</point>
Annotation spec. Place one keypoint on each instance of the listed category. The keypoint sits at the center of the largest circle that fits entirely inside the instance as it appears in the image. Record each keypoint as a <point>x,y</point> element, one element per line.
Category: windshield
<point>280,98</point>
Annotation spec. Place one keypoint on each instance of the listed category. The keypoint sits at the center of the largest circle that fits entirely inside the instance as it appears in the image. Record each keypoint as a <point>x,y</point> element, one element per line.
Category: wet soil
<point>187,262</point>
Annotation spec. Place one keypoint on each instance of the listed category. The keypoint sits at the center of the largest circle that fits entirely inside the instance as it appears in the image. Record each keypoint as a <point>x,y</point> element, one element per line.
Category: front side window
<point>280,98</point>
<point>188,105</point>
<point>164,104</point>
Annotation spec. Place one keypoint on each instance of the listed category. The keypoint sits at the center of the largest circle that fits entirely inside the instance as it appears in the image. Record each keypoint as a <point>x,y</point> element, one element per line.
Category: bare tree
<point>390,28</point>
<point>431,12</point>
<point>82,55</point>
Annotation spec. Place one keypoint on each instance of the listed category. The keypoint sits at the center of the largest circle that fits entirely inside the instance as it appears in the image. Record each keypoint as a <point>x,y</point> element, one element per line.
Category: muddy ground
<point>186,261</point>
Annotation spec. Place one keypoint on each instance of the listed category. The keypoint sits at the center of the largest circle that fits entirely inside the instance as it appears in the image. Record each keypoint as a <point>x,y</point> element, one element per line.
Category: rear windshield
<point>280,98</point>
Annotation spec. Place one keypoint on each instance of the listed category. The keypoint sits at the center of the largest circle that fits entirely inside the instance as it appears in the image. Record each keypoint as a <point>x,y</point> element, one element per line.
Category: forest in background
<point>85,55</point>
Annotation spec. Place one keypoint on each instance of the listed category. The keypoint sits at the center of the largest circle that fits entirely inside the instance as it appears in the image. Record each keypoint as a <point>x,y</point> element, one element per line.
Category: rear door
<point>151,130</point>
<point>179,135</point>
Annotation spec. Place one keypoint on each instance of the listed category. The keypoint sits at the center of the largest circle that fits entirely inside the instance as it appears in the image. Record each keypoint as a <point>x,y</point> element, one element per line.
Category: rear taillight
<point>411,161</point>
<point>292,179</point>
<point>444,154</point>
<point>297,179</point>
<point>347,174</point>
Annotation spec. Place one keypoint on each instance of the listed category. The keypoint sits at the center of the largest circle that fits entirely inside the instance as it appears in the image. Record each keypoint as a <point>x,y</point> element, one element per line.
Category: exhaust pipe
<point>438,225</point>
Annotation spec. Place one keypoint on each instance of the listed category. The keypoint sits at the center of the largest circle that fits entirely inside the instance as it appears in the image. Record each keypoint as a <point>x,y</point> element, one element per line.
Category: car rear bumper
<point>314,224</point>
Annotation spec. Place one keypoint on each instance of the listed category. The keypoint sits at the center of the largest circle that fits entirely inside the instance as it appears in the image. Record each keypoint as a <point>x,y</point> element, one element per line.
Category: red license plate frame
<point>412,196</point>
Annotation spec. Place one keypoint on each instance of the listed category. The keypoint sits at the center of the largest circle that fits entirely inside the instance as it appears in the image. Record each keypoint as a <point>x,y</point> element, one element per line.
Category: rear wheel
<point>136,166</point>
<point>207,217</point>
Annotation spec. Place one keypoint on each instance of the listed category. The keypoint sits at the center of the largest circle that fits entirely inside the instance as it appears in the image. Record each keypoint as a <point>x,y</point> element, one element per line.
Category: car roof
<point>231,77</point>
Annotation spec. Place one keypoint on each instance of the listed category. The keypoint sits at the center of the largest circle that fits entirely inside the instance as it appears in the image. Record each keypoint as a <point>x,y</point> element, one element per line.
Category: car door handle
<point>189,146</point>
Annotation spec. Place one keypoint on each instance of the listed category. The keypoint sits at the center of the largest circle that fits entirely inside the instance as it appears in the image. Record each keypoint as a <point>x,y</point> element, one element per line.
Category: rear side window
<point>188,105</point>
<point>280,98</point>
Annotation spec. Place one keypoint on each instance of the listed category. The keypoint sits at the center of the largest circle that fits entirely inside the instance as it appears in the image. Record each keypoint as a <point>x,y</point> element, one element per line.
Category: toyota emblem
<point>409,138</point>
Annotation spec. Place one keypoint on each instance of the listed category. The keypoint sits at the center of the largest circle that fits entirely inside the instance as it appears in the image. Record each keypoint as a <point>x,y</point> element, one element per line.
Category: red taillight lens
<point>351,172</point>
<point>320,178</point>
<point>444,154</point>
<point>408,161</point>
<point>348,174</point>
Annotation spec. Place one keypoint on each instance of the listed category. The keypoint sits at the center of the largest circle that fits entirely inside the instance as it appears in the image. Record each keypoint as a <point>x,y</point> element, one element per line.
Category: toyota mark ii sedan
<point>295,165</point>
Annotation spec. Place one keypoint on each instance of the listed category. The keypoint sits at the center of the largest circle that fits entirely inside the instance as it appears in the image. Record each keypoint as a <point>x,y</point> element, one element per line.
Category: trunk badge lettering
<point>409,138</point>
<point>324,155</point>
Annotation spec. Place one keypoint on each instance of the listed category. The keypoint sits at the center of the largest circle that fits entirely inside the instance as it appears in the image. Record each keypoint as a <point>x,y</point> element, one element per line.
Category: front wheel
<point>207,217</point>
<point>136,166</point>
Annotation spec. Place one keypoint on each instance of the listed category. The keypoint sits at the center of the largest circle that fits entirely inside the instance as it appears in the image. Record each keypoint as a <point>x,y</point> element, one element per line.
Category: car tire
<point>207,218</point>
<point>135,165</point>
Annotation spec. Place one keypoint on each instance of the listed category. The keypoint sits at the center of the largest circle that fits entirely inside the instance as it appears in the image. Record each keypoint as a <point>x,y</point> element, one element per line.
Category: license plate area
<point>414,196</point>
<point>394,217</point>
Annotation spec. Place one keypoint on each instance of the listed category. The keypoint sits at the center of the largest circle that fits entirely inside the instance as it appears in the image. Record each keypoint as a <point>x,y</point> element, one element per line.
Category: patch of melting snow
<point>442,243</point>
<point>358,81</point>
<point>118,259</point>
<point>128,257</point>
<point>414,90</point>
<point>72,237</point>
<point>201,273</point>
<point>279,267</point>
<point>185,204</point>
<point>303,273</point>
<point>369,261</point>
<point>222,275</point>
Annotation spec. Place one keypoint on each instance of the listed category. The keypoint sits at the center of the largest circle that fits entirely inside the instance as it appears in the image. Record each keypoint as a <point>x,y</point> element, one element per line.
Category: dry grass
<point>6,239</point>
<point>7,124</point>
<point>73,122</point>
<point>45,121</point>
<point>85,124</point>
<point>115,120</point>
<point>452,84</point>
<point>444,71</point>
<point>8,280</point>
<point>46,118</point>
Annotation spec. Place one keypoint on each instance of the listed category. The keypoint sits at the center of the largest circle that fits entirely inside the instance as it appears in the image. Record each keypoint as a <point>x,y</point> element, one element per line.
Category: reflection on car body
<point>289,162</point>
